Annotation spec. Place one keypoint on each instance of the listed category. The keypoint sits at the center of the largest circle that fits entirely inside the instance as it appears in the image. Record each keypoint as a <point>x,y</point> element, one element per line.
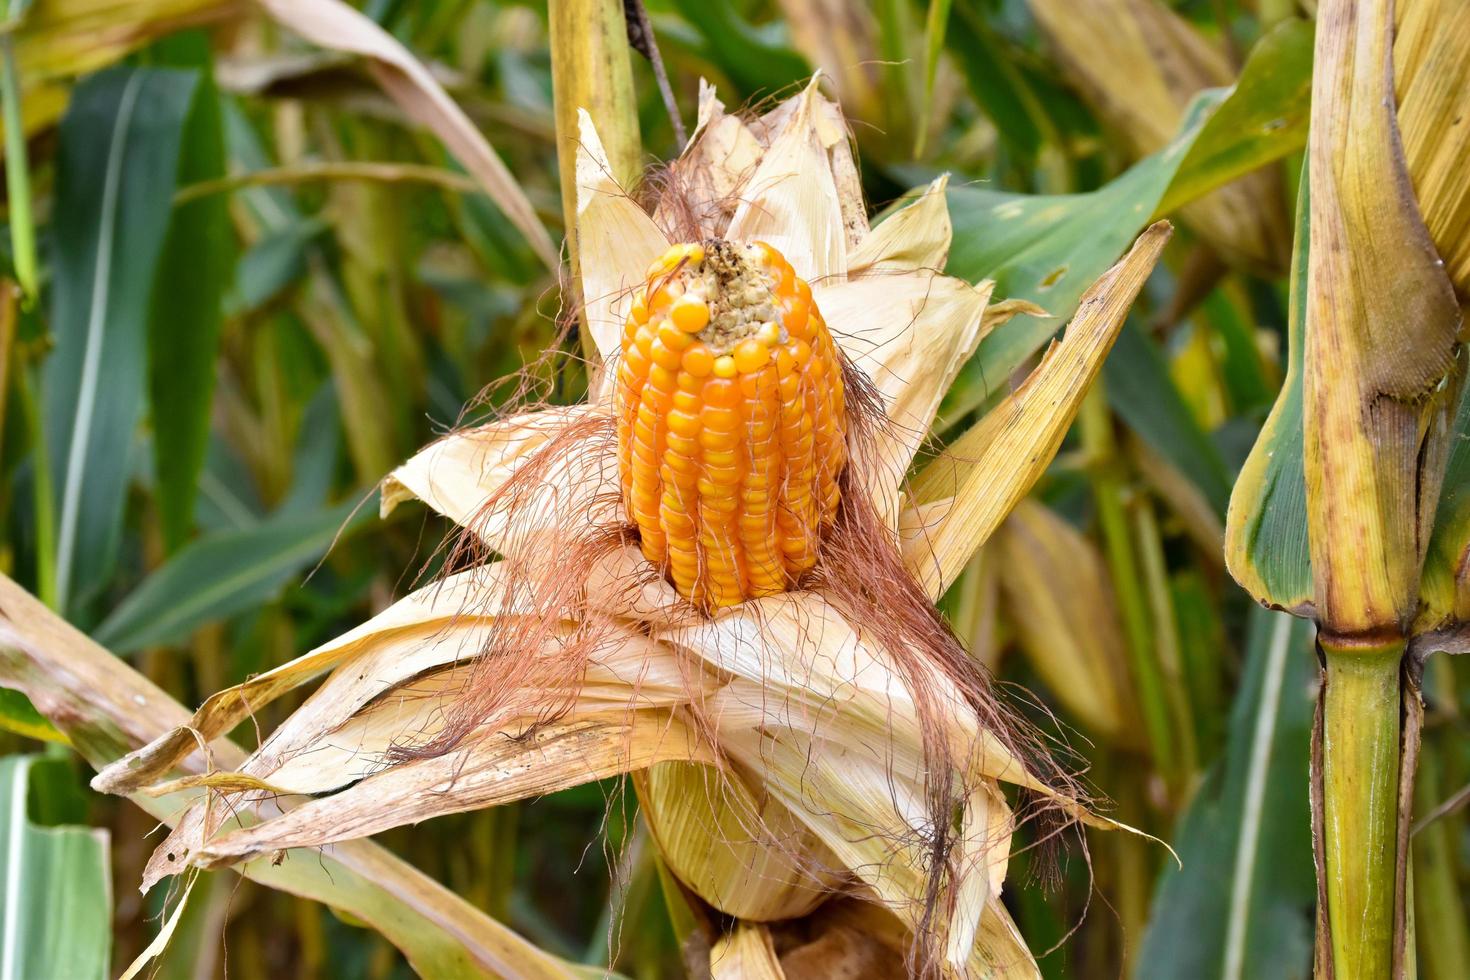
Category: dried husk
<point>963,495</point>
<point>747,856</point>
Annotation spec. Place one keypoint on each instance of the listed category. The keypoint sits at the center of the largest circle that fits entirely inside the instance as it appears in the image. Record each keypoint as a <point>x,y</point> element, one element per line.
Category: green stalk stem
<point>17,176</point>
<point>43,499</point>
<point>590,70</point>
<point>1360,776</point>
<point>1096,423</point>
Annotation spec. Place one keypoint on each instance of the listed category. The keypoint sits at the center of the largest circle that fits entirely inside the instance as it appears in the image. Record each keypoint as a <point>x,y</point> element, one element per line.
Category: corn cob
<point>731,421</point>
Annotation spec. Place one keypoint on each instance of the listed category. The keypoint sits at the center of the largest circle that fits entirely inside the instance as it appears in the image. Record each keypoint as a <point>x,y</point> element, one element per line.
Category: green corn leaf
<point>19,717</point>
<point>117,162</point>
<point>1266,529</point>
<point>759,60</point>
<point>1242,904</point>
<point>1048,248</point>
<point>55,887</point>
<point>1445,588</point>
<point>183,335</point>
<point>1141,391</point>
<point>222,574</point>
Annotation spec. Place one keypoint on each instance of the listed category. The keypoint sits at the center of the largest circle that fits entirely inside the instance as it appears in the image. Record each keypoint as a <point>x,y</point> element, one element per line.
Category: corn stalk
<point>1381,381</point>
<point>591,72</point>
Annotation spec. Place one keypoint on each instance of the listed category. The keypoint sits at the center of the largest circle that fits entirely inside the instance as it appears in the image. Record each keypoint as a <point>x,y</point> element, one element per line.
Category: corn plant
<point>734,489</point>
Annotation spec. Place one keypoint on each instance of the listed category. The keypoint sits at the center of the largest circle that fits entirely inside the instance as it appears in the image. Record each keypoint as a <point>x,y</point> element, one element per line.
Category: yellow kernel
<point>683,423</point>
<point>720,419</point>
<point>689,313</point>
<point>672,337</point>
<point>722,392</point>
<point>769,334</point>
<point>698,361</point>
<point>665,358</point>
<point>725,366</point>
<point>751,356</point>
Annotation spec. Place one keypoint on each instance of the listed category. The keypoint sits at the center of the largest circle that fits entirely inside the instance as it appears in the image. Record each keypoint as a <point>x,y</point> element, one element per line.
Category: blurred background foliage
<point>244,283</point>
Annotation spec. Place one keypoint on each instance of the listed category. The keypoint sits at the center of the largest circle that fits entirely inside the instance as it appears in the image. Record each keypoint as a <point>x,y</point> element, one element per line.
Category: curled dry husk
<point>780,752</point>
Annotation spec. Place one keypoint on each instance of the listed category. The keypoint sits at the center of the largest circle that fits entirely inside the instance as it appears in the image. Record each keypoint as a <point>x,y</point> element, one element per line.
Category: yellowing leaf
<point>968,490</point>
<point>336,26</point>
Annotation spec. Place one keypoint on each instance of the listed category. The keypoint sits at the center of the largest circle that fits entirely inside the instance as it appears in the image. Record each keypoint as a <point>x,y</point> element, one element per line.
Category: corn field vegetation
<point>746,489</point>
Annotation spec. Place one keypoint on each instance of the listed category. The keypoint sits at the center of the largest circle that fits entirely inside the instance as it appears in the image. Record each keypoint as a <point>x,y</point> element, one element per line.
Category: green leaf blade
<point>222,574</point>
<point>111,219</point>
<point>184,321</point>
<point>55,889</point>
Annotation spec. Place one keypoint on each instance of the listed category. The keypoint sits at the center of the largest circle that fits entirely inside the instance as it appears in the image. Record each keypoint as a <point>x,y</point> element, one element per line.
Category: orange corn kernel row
<point>731,422</point>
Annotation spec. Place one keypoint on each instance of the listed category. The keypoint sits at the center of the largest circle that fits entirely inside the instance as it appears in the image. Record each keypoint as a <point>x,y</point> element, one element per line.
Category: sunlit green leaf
<point>1266,530</point>
<point>55,889</point>
<point>1047,248</point>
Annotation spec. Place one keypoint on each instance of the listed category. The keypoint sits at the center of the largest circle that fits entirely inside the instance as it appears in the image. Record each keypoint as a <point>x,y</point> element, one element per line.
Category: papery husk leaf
<point>745,953</point>
<point>910,334</point>
<point>1061,603</point>
<point>999,952</point>
<point>459,474</point>
<point>746,856</point>
<point>835,676</point>
<point>494,769</point>
<point>791,200</point>
<point>616,238</point>
<point>966,492</point>
<point>462,477</point>
<point>407,623</point>
<point>1381,332</point>
<point>916,236</point>
<point>1431,65</point>
<point>832,133</point>
<point>105,707</point>
<point>393,691</point>
<point>336,26</point>
<point>706,179</point>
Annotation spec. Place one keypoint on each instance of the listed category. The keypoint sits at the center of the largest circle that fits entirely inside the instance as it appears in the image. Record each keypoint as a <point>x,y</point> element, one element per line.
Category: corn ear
<point>746,857</point>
